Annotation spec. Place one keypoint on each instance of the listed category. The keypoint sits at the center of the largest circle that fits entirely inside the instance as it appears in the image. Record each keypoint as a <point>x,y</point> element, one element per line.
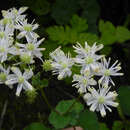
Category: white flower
<point>61,63</point>
<point>87,58</point>
<point>85,51</point>
<point>26,57</point>
<point>32,48</point>
<point>101,99</point>
<point>21,79</point>
<point>3,74</point>
<point>106,71</point>
<point>6,31</point>
<point>14,14</point>
<point>5,48</point>
<point>26,30</point>
<point>83,82</point>
<point>89,63</point>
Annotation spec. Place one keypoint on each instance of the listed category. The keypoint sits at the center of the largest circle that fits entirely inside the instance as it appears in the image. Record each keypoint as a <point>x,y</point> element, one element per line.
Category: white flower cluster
<point>92,65</point>
<point>19,44</point>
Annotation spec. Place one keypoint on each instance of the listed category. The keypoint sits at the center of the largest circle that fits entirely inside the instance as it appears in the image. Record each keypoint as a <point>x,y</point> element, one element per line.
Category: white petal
<point>21,45</point>
<point>17,71</point>
<point>21,34</point>
<point>102,110</point>
<point>87,96</point>
<point>19,89</point>
<point>28,74</point>
<point>93,106</point>
<point>22,10</point>
<point>27,85</point>
<point>93,82</point>
<point>38,54</point>
<point>40,41</point>
<point>4,57</point>
<point>11,81</point>
<point>111,103</point>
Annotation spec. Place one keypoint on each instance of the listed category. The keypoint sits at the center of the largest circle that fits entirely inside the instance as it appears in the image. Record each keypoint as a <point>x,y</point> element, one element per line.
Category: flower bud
<point>31,95</point>
<point>47,65</point>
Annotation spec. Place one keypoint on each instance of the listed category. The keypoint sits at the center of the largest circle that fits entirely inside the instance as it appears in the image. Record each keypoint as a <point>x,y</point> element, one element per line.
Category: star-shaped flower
<point>106,71</point>
<point>21,79</point>
<point>61,63</point>
<point>101,99</point>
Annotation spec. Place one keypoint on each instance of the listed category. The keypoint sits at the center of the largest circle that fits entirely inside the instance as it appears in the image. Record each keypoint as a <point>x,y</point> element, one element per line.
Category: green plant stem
<point>47,102</point>
<point>120,112</point>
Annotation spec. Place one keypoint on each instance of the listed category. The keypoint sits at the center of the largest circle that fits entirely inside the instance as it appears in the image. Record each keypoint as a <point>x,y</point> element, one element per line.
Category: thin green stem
<point>120,111</point>
<point>47,102</point>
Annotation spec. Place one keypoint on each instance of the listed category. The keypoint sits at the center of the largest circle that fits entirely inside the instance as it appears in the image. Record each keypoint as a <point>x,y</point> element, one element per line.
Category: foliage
<point>36,126</point>
<point>38,82</point>
<point>103,126</point>
<point>124,96</point>
<point>110,34</point>
<point>88,120</point>
<point>62,11</point>
<point>91,11</point>
<point>39,7</point>
<point>118,125</point>
<point>69,111</point>
<point>63,23</point>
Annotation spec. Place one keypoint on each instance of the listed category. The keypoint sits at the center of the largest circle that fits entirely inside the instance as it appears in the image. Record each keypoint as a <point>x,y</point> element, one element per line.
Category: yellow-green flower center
<point>101,100</point>
<point>30,46</point>
<point>7,21</point>
<point>87,49</point>
<point>2,35</point>
<point>2,49</point>
<point>107,72</point>
<point>84,81</point>
<point>47,65</point>
<point>2,76</point>
<point>89,60</point>
<point>26,58</point>
<point>20,79</point>
<point>64,65</point>
<point>28,28</point>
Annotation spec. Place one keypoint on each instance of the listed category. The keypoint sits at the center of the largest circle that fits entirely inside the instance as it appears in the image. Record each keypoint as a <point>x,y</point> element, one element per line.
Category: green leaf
<point>64,105</point>
<point>50,46</point>
<point>71,34</point>
<point>61,121</point>
<point>103,126</point>
<point>118,125</point>
<point>63,10</point>
<point>57,33</point>
<point>88,120</point>
<point>106,50</point>
<point>78,24</point>
<point>122,34</point>
<point>91,11</point>
<point>36,126</point>
<point>89,37</point>
<point>39,7</point>
<point>69,49</point>
<point>108,32</point>
<point>124,96</point>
